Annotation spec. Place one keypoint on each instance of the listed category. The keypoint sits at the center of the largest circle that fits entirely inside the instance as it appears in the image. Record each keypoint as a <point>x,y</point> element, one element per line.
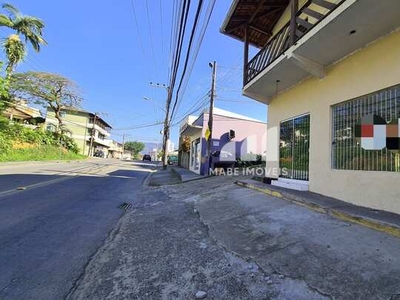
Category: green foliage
<point>15,51</point>
<point>135,147</point>
<point>15,133</point>
<point>39,153</point>
<point>5,100</point>
<point>5,142</point>
<point>47,90</point>
<point>30,28</point>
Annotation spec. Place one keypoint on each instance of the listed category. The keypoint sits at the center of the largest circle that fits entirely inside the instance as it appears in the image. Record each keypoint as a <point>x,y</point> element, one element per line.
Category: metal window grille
<point>294,148</point>
<point>347,153</point>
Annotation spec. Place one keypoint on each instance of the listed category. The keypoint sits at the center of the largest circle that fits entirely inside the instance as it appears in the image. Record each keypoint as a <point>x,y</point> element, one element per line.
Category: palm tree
<point>29,27</point>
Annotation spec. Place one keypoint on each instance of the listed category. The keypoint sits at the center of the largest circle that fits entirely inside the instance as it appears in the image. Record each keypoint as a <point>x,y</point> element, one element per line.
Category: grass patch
<point>39,153</point>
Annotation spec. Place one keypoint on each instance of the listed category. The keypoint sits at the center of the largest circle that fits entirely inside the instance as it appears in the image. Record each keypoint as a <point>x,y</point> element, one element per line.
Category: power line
<point>139,36</point>
<point>162,32</point>
<point>195,22</point>
<point>181,35</point>
<point>151,37</point>
<point>138,126</point>
<point>208,14</point>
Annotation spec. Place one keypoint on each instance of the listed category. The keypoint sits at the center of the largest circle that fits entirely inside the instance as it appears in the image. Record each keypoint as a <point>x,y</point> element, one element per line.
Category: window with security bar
<point>366,132</point>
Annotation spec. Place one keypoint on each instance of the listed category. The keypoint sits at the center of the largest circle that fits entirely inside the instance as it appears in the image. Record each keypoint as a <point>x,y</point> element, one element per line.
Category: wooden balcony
<point>291,32</point>
<point>317,35</point>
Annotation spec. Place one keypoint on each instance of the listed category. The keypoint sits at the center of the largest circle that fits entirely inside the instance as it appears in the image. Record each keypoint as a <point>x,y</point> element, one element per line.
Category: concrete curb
<point>40,162</point>
<point>145,182</point>
<point>187,180</point>
<point>336,213</point>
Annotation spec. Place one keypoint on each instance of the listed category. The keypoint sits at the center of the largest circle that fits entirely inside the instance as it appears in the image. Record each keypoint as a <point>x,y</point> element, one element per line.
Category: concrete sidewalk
<point>160,177</point>
<point>372,218</point>
<point>172,175</point>
<point>235,243</point>
<point>294,245</point>
<point>185,174</point>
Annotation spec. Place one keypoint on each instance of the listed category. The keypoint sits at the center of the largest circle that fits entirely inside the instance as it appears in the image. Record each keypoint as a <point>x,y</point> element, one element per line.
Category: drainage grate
<point>125,206</point>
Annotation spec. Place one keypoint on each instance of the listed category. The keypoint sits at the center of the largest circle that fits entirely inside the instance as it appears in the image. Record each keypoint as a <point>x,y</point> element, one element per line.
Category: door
<point>294,148</point>
<point>195,155</point>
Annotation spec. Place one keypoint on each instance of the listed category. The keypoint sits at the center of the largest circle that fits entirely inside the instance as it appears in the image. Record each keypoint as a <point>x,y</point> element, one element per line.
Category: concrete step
<point>290,184</point>
<point>288,180</point>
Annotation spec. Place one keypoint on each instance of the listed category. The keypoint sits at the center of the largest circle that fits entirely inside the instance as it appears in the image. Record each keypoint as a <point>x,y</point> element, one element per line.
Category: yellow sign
<point>207,134</point>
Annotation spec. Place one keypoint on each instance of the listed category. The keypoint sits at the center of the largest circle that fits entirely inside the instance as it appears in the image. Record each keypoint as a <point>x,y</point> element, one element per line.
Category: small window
<point>362,135</point>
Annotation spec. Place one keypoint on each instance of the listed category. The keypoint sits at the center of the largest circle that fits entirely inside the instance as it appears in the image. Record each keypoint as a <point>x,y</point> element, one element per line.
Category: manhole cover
<point>125,206</point>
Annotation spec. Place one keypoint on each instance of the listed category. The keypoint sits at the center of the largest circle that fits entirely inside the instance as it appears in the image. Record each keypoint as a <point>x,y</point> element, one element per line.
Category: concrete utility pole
<point>92,135</point>
<point>166,123</point>
<point>123,145</point>
<point>123,141</point>
<point>212,65</point>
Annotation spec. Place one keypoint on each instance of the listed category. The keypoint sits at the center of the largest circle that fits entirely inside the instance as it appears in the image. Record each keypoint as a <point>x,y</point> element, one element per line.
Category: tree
<point>48,90</point>
<point>135,147</point>
<point>29,27</point>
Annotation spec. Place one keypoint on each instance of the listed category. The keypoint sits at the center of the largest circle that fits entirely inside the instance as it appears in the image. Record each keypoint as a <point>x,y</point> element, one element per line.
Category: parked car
<point>172,159</point>
<point>99,153</point>
<point>146,157</point>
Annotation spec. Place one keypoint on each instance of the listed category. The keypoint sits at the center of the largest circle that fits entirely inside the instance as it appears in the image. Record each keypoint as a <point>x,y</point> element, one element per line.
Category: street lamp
<point>158,106</point>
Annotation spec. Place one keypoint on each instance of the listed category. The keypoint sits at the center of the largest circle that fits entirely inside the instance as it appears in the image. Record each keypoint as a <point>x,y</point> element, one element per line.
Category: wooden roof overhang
<point>257,17</point>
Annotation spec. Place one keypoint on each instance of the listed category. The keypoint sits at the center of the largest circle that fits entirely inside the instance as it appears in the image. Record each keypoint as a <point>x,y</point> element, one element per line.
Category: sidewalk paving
<point>162,177</point>
<point>334,258</point>
<point>215,236</point>
<point>185,174</point>
<point>372,218</point>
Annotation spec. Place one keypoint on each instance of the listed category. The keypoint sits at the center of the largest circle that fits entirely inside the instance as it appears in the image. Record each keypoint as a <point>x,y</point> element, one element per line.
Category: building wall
<point>249,134</point>
<point>76,122</point>
<point>370,69</point>
<point>244,129</point>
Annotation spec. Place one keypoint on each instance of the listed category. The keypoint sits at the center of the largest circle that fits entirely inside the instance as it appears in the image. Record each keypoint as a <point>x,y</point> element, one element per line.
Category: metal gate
<point>294,148</point>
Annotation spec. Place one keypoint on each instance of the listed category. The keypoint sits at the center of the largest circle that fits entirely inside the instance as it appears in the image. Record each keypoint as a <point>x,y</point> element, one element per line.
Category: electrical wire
<point>138,126</point>
<point>181,36</point>
<point>151,38</point>
<point>208,14</point>
<point>195,22</point>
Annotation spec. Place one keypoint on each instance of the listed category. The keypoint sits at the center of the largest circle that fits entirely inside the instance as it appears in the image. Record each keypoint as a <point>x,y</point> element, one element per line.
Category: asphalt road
<point>53,218</point>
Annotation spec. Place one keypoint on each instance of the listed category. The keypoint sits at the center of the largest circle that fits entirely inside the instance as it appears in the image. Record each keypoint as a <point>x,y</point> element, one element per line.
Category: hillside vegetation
<point>18,143</point>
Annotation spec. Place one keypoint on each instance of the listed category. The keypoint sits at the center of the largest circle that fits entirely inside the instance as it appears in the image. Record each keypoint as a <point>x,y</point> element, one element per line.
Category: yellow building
<point>88,130</point>
<point>323,67</point>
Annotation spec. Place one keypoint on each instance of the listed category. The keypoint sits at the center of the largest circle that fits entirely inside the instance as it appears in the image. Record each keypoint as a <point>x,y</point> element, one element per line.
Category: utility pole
<point>213,65</point>
<point>123,141</point>
<point>123,145</point>
<point>166,122</point>
<point>92,135</point>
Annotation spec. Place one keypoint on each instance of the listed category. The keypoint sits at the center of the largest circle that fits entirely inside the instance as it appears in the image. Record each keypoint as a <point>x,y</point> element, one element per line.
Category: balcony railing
<point>298,26</point>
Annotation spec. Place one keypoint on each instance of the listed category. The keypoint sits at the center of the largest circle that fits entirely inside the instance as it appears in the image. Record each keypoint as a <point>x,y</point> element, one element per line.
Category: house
<point>330,74</point>
<point>115,149</point>
<point>127,155</point>
<point>21,113</point>
<point>233,136</point>
<point>88,130</point>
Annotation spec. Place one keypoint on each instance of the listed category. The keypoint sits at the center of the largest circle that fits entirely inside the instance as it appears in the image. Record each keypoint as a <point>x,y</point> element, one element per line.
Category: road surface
<point>53,218</point>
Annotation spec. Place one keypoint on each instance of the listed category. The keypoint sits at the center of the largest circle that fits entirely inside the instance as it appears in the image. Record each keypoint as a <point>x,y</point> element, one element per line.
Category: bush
<point>5,143</point>
<point>16,133</point>
<point>39,153</point>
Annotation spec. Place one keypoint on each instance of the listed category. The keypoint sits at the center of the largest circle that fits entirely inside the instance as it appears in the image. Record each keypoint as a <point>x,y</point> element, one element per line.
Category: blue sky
<point>98,45</point>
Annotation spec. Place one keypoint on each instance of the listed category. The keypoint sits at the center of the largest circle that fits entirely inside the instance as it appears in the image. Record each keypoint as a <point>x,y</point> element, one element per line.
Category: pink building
<point>234,137</point>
